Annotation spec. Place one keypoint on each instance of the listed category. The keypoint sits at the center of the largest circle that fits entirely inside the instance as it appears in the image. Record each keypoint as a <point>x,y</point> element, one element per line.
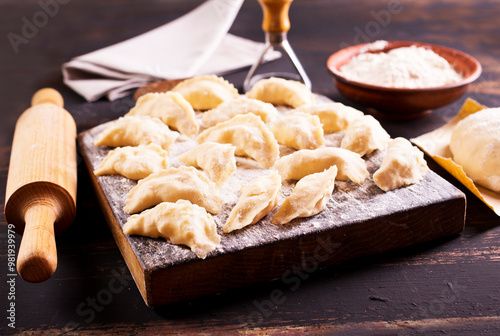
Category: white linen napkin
<point>194,44</point>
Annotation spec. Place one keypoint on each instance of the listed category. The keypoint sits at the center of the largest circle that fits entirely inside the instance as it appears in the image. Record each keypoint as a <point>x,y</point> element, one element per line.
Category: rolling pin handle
<point>40,197</point>
<point>47,96</point>
<point>37,259</point>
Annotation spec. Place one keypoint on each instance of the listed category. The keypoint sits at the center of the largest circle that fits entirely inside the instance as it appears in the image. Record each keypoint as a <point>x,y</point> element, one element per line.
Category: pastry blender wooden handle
<point>275,15</point>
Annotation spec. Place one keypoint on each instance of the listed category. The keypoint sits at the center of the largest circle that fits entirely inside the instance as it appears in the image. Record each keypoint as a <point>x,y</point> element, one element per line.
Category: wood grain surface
<point>358,220</point>
<point>41,186</point>
<point>450,286</point>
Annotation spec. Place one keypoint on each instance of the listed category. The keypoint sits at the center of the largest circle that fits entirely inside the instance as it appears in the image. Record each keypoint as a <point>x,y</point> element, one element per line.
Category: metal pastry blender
<point>276,24</point>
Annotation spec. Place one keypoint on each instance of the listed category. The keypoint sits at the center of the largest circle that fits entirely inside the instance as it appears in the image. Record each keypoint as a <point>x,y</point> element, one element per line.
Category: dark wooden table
<point>449,286</point>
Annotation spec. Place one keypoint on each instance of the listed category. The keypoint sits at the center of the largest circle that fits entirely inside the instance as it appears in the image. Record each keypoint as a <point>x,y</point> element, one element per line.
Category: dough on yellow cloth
<point>475,145</point>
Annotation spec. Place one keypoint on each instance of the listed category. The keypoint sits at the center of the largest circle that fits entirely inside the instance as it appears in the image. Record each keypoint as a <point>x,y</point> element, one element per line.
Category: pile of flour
<point>406,67</point>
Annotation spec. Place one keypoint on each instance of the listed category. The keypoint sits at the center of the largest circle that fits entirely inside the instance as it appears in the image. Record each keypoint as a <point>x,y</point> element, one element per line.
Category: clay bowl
<point>401,103</point>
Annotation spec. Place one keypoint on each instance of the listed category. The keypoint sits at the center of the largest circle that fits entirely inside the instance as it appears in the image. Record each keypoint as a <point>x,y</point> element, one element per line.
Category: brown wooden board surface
<point>448,286</point>
<point>358,220</point>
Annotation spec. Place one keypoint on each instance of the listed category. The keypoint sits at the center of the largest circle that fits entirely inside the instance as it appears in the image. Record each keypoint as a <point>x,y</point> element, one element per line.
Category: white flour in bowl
<point>406,67</point>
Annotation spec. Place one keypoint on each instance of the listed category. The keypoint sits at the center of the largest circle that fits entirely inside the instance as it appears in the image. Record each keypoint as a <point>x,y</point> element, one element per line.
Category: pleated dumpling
<point>364,135</point>
<point>182,222</point>
<point>135,131</point>
<point>308,161</point>
<point>134,163</point>
<point>298,130</point>
<point>257,199</point>
<point>216,159</point>
<point>249,134</point>
<point>170,107</point>
<point>171,185</point>
<point>308,198</point>
<point>335,117</point>
<point>279,91</point>
<point>404,164</point>
<point>206,92</point>
<point>242,105</point>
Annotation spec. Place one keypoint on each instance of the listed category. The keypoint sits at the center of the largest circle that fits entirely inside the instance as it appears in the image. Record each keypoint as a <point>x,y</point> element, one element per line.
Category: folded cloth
<point>194,44</point>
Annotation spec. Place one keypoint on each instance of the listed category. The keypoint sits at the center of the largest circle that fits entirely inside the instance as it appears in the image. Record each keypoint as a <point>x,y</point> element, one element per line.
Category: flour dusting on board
<point>350,203</point>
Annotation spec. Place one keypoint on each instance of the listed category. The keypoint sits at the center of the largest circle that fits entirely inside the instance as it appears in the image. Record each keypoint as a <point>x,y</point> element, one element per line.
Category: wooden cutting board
<point>359,220</point>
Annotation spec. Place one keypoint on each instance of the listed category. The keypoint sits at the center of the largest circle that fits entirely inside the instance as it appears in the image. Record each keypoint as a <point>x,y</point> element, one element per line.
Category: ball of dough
<point>475,145</point>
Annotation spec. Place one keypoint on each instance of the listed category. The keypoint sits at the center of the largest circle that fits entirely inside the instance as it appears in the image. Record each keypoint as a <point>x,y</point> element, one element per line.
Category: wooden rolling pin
<point>41,185</point>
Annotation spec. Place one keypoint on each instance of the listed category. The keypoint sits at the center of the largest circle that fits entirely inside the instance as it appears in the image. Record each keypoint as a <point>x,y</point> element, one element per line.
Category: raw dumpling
<point>206,92</point>
<point>250,136</point>
<point>258,198</point>
<point>335,117</point>
<point>475,144</point>
<point>170,107</point>
<point>216,159</point>
<point>298,130</point>
<point>308,198</point>
<point>279,91</point>
<point>171,185</point>
<point>182,223</point>
<point>308,161</point>
<point>134,163</point>
<point>137,130</point>
<point>403,165</point>
<point>364,135</point>
<point>229,108</point>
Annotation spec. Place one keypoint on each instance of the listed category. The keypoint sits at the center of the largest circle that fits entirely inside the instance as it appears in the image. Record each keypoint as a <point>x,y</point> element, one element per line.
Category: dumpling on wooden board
<point>135,131</point>
<point>182,223</point>
<point>249,134</point>
<point>257,199</point>
<point>206,92</point>
<point>134,163</point>
<point>171,185</point>
<point>364,135</point>
<point>298,130</point>
<point>216,159</point>
<point>335,117</point>
<point>308,198</point>
<point>170,107</point>
<point>308,161</point>
<point>279,91</point>
<point>242,105</point>
<point>404,164</point>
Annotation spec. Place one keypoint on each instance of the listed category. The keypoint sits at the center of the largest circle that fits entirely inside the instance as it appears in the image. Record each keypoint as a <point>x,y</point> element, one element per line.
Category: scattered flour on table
<point>406,67</point>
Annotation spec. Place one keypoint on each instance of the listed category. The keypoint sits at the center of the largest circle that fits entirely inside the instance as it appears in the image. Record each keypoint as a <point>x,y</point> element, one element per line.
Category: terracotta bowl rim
<point>354,50</point>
